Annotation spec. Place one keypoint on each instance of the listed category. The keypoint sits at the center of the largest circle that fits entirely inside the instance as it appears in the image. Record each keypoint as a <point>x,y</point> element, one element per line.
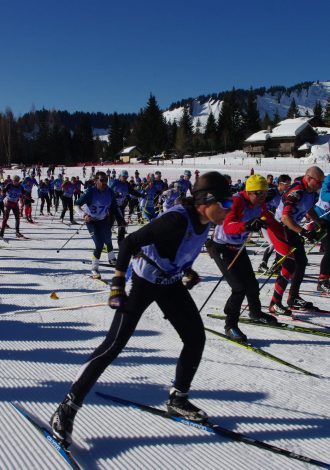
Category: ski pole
<point>75,233</point>
<point>35,211</point>
<point>271,272</point>
<point>54,295</point>
<point>53,309</point>
<point>231,264</point>
<point>240,250</point>
<point>275,266</point>
<point>318,241</point>
<point>208,298</point>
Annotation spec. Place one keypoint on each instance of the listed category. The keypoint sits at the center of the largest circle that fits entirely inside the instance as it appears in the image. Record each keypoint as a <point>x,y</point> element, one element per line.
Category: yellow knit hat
<point>256,183</point>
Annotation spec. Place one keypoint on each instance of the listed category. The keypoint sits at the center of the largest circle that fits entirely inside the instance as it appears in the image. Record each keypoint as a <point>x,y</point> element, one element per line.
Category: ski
<point>60,449</point>
<point>279,326</point>
<point>213,428</point>
<point>50,309</point>
<point>5,243</point>
<point>105,283</point>
<point>315,293</point>
<point>310,311</point>
<point>263,353</point>
<point>106,265</point>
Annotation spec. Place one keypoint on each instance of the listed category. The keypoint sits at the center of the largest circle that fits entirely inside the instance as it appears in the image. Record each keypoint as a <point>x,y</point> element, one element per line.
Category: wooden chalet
<point>283,140</point>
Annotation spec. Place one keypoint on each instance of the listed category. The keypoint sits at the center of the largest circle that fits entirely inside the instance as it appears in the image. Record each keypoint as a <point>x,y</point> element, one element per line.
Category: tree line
<point>59,137</point>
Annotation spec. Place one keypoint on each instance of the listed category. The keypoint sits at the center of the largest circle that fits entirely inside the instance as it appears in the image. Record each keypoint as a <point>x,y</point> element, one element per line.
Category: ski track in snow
<point>41,353</point>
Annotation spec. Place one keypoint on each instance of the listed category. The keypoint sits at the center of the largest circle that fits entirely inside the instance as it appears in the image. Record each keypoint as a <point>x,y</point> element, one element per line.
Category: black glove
<point>323,226</point>
<point>190,278</point>
<point>254,225</point>
<point>118,297</point>
<point>310,235</point>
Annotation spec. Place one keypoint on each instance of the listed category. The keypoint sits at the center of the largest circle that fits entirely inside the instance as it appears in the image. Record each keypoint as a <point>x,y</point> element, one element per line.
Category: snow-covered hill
<point>268,103</point>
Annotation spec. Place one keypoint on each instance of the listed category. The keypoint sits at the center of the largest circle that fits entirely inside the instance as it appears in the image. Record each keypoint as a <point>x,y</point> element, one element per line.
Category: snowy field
<point>41,352</point>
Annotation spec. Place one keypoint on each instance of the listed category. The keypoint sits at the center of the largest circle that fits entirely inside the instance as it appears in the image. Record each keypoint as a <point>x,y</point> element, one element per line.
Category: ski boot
<point>62,420</point>
<point>112,259</point>
<point>297,303</point>
<point>236,334</point>
<point>179,405</point>
<point>20,236</point>
<point>263,268</point>
<point>323,286</point>
<point>265,318</point>
<point>95,268</point>
<point>279,309</point>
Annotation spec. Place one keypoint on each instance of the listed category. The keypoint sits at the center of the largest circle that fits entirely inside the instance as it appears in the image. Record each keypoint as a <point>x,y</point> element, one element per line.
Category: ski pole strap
<point>154,264</point>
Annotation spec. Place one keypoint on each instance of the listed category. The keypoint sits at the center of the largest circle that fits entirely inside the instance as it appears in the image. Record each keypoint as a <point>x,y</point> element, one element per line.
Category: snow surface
<point>41,352</point>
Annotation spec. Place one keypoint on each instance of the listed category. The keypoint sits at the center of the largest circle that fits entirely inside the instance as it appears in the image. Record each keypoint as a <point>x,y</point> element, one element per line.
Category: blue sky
<point>106,55</point>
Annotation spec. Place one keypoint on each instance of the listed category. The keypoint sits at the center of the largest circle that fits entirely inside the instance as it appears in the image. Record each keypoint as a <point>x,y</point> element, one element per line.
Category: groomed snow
<point>42,351</point>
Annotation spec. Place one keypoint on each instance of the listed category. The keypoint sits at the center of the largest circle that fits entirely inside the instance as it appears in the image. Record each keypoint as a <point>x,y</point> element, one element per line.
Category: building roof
<point>260,136</point>
<point>126,150</point>
<point>286,128</point>
<point>290,127</point>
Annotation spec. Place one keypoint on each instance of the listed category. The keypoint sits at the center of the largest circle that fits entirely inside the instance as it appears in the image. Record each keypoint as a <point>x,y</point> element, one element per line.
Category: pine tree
<point>183,142</point>
<point>116,137</point>
<point>210,134</point>
<point>317,110</point>
<point>293,111</point>
<point>252,118</point>
<point>8,137</point>
<point>326,112</point>
<point>83,143</point>
<point>230,123</point>
<point>276,119</point>
<point>150,129</point>
<point>266,122</point>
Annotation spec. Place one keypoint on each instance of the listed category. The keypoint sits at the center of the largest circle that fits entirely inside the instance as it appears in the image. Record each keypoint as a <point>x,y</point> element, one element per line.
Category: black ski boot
<point>62,420</point>
<point>324,286</point>
<point>298,303</point>
<point>179,405</point>
<point>265,318</point>
<point>236,334</point>
<point>263,268</point>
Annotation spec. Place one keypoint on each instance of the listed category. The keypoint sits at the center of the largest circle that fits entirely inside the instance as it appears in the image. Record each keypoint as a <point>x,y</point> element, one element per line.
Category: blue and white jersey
<point>249,213</point>
<point>43,189</point>
<point>149,198</point>
<point>68,189</point>
<point>28,184</point>
<point>58,184</point>
<point>273,203</point>
<point>13,192</point>
<point>296,202</point>
<point>185,185</point>
<point>96,203</point>
<point>163,270</point>
<point>159,185</point>
<point>323,204</point>
<point>169,198</point>
<point>121,189</point>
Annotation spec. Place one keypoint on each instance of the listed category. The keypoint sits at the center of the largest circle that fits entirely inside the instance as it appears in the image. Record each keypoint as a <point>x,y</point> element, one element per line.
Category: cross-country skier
<point>12,192</point>
<point>166,249</point>
<point>322,209</point>
<point>297,202</point>
<point>96,205</point>
<point>245,217</point>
